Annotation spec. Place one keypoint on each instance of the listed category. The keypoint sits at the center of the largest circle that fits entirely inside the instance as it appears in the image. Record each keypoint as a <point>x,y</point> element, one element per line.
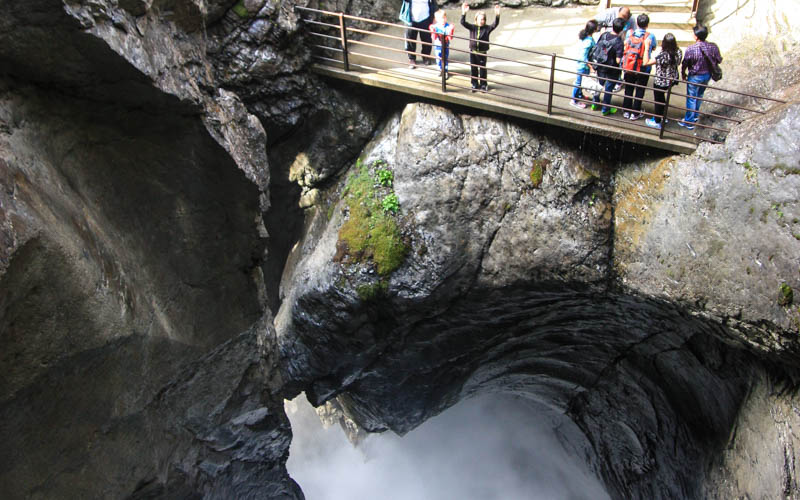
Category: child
<point>584,49</point>
<point>479,44</point>
<point>442,34</point>
<point>667,62</point>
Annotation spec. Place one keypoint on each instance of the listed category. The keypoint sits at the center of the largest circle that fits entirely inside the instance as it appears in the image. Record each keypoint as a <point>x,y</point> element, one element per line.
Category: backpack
<point>634,52</point>
<point>600,52</point>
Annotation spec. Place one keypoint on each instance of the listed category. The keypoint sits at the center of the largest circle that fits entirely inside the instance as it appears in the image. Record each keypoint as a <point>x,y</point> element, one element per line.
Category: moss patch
<point>370,232</point>
<point>372,291</point>
<point>786,295</point>
<point>241,10</point>
<point>537,171</point>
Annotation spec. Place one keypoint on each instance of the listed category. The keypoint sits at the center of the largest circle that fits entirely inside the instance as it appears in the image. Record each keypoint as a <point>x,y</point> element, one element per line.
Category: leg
<point>411,45</point>
<point>425,38</point>
<point>609,92</point>
<point>659,93</point>
<point>703,79</point>
<point>473,69</point>
<point>627,103</point>
<point>482,72</point>
<point>438,51</point>
<point>577,91</point>
<point>693,92</point>
<point>640,80</point>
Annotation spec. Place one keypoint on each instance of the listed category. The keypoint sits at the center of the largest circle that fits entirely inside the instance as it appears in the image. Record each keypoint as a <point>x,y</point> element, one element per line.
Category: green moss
<point>372,291</point>
<point>241,10</point>
<point>750,173</point>
<point>786,295</point>
<point>537,171</point>
<point>370,232</point>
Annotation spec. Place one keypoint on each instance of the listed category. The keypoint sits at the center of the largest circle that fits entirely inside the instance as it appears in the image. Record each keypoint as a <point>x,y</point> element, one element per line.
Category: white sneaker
<point>626,115</point>
<point>577,104</point>
<point>635,116</point>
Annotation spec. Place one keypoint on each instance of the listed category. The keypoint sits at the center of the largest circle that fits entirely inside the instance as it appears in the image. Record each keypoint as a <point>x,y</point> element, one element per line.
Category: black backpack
<point>600,51</point>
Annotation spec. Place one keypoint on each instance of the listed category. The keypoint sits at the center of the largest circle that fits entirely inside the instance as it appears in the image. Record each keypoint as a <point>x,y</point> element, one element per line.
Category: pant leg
<point>660,95</point>
<point>411,46</point>
<point>425,37</point>
<point>437,49</point>
<point>700,92</point>
<point>577,91</point>
<point>482,70</point>
<point>627,103</point>
<point>694,93</point>
<point>474,61</point>
<point>640,80</point>
<point>609,88</point>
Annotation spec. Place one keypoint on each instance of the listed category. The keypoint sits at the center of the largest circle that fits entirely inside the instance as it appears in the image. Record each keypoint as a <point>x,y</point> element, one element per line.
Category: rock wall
<point>160,162</point>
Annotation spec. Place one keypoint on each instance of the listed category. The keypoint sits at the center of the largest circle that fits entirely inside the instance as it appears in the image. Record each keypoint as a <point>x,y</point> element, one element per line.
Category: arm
<point>465,24</point>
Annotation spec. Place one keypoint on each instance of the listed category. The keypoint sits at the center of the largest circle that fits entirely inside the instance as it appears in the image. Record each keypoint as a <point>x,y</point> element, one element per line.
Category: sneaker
<point>609,111</point>
<point>687,125</point>
<point>635,116</point>
<point>617,87</point>
<point>412,64</point>
<point>485,88</point>
<point>447,76</point>
<point>626,115</point>
<point>577,104</point>
<point>596,107</point>
<point>475,89</point>
<point>652,123</point>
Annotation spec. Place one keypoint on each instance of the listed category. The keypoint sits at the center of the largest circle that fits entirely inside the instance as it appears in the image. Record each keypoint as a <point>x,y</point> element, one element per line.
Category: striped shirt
<point>694,60</point>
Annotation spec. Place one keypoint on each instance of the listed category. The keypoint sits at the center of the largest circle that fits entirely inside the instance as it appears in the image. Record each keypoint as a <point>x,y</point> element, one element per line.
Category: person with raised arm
<point>479,44</point>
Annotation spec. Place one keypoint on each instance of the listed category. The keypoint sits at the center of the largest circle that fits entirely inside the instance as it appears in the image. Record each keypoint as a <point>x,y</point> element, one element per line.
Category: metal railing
<point>345,40</point>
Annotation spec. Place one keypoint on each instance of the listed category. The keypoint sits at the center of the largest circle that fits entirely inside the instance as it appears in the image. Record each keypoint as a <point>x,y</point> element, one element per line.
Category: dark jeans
<point>608,85</point>
<point>424,37</point>
<point>634,104</point>
<point>477,63</point>
<point>660,93</point>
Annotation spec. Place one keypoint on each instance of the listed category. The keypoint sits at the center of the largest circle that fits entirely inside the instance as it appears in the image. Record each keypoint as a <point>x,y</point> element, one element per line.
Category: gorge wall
<point>172,177</point>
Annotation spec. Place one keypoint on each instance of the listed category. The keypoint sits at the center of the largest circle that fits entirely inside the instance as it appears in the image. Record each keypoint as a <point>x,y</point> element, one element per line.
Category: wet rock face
<point>508,286</point>
<point>719,229</point>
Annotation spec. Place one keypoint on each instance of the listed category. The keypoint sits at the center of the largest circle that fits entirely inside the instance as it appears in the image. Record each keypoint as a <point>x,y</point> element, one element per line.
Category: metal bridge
<point>525,83</point>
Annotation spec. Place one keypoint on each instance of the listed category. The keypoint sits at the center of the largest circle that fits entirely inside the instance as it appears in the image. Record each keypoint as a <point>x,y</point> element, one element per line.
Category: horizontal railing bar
<point>357,18</point>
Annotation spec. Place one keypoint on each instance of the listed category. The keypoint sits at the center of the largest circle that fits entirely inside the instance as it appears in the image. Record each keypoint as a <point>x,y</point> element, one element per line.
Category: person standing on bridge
<point>697,60</point>
<point>666,62</point>
<point>479,44</point>
<point>607,55</point>
<point>421,18</point>
<point>606,18</point>
<point>442,34</point>
<point>584,50</point>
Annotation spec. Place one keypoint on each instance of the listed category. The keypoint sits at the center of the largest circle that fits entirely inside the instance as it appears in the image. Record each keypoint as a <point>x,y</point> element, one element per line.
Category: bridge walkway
<point>530,84</point>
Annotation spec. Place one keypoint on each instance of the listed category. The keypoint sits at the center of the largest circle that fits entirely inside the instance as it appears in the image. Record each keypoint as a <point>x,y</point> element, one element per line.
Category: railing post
<point>666,110</point>
<point>552,83</point>
<point>608,4</point>
<point>443,70</point>
<point>695,8</point>
<point>343,31</point>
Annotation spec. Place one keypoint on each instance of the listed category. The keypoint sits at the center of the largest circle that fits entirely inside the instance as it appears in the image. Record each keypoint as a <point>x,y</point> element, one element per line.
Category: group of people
<point>427,22</point>
<point>627,46</point>
<point>623,55</point>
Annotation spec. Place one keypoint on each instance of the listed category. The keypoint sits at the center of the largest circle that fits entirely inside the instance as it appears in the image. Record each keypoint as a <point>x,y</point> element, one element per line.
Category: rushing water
<point>488,447</point>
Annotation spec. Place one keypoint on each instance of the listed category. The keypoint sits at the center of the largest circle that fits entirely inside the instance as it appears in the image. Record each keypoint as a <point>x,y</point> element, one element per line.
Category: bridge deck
<point>378,60</point>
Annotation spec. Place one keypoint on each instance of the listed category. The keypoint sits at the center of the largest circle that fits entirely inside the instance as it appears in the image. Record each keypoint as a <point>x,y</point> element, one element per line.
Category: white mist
<point>488,447</point>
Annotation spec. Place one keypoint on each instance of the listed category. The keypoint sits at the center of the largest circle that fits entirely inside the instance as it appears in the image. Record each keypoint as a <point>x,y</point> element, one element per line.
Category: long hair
<point>588,30</point>
<point>669,44</point>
